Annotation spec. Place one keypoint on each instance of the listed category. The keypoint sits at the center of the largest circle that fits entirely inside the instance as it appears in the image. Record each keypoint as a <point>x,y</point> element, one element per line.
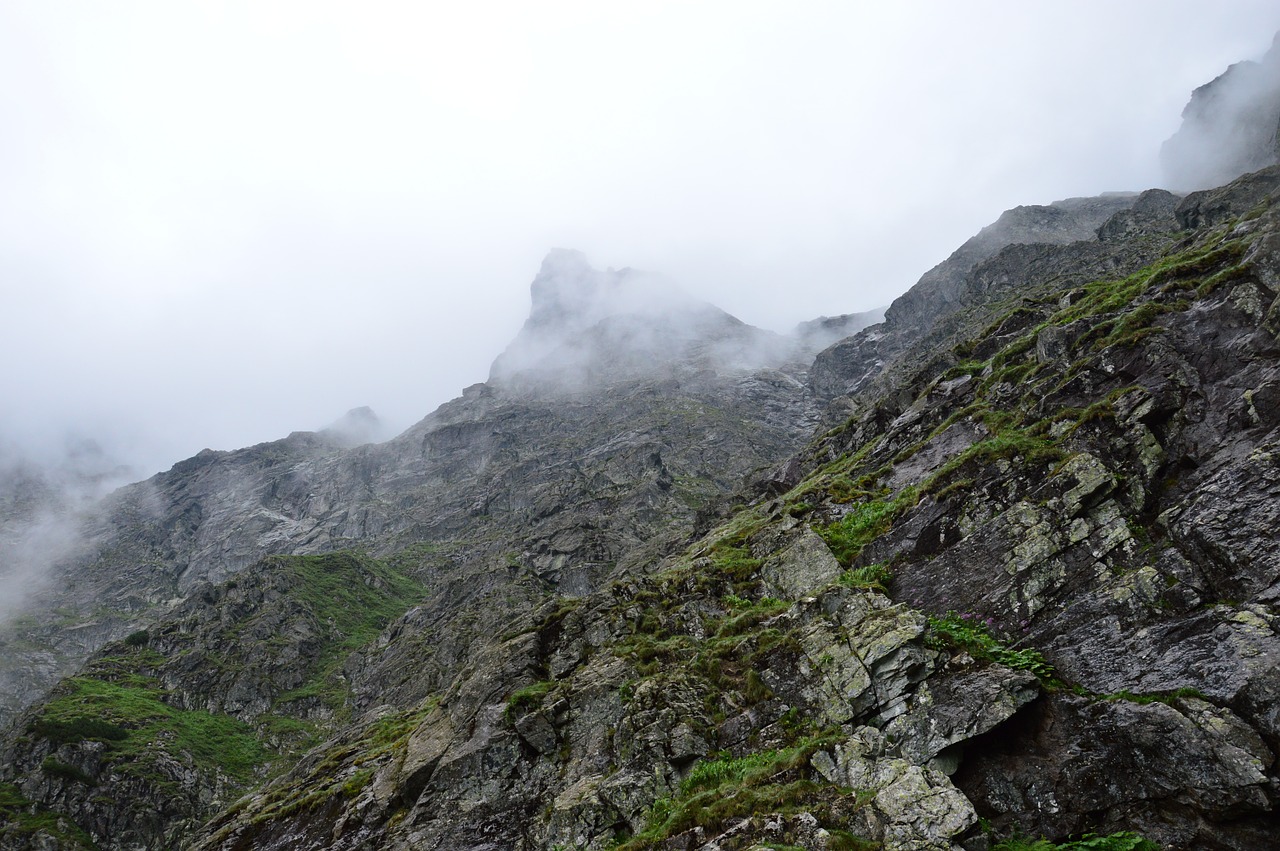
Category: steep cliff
<point>1002,565</point>
<point>1229,127</point>
<point>1030,589</point>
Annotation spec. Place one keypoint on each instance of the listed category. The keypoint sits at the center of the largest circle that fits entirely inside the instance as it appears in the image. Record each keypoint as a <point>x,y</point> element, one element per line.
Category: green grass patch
<point>861,525</point>
<point>968,367</point>
<point>723,788</point>
<point>972,635</point>
<point>870,577</point>
<point>136,724</point>
<point>734,561</point>
<point>1123,841</point>
<point>1009,444</point>
<point>528,699</point>
<point>744,619</point>
<point>355,597</point>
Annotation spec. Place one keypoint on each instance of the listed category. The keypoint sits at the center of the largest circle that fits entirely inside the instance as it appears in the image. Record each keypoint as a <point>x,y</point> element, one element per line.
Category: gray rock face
<point>1228,128</point>
<point>1110,756</point>
<point>1026,246</point>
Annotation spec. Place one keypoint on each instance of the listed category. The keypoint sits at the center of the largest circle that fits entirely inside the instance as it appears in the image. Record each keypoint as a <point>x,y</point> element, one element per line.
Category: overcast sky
<point>223,222</point>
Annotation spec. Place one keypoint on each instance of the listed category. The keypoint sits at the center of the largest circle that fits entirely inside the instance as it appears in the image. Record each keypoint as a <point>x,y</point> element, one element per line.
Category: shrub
<point>53,768</point>
<point>860,526</point>
<point>78,729</point>
<point>874,577</point>
<point>527,699</point>
<point>1123,841</point>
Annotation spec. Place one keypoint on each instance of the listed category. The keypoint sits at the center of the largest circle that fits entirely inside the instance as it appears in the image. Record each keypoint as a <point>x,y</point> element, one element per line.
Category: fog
<point>45,493</point>
<point>221,223</point>
<point>1229,126</point>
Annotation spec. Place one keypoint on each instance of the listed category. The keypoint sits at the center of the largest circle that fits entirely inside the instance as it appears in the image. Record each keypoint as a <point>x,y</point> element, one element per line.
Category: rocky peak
<point>1024,245</point>
<point>815,335</point>
<point>1228,127</point>
<point>568,292</point>
<point>588,328</point>
<point>356,427</point>
<point>943,288</point>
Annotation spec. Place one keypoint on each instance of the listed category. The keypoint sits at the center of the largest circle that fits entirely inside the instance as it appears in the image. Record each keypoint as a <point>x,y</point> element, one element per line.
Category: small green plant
<point>968,367</point>
<point>973,635</point>
<point>756,690</point>
<point>528,699</point>
<point>1123,841</point>
<point>873,577</point>
<point>723,768</point>
<point>860,526</point>
<point>138,639</point>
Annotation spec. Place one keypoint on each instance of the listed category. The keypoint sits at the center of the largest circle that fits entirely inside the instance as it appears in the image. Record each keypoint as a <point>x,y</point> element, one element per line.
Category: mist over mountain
<point>42,503</point>
<point>997,563</point>
<point>1229,127</point>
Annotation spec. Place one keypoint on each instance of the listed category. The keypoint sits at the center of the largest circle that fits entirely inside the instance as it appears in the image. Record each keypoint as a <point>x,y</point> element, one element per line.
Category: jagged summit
<point>588,327</point>
<point>569,292</point>
<point>357,426</point>
<point>1229,127</point>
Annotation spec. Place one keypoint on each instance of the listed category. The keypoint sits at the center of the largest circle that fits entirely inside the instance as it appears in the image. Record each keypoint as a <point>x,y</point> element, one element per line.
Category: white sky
<point>221,222</point>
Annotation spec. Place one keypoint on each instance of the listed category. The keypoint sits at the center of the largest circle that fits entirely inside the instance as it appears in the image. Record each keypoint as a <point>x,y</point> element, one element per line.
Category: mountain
<point>1229,127</point>
<point>557,481</point>
<point>1001,565</point>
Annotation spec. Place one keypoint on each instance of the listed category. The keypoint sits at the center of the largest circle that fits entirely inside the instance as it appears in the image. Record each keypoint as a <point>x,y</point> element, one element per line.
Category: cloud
<point>45,496</point>
<point>1228,128</point>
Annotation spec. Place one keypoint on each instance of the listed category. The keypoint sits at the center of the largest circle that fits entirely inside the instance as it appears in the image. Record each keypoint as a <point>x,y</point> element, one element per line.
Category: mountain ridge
<point>997,566</point>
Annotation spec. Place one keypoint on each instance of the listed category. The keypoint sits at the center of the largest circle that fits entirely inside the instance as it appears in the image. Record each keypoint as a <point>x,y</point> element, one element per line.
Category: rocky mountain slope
<point>1021,581</point>
<point>978,609</point>
<point>553,482</point>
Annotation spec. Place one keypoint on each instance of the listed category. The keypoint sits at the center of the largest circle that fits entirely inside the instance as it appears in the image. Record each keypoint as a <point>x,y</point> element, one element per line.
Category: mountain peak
<point>357,426</point>
<point>587,327</point>
<point>1229,127</point>
<point>569,291</point>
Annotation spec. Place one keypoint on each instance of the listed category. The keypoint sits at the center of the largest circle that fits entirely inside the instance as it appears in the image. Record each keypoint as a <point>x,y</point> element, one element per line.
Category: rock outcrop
<point>1229,127</point>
